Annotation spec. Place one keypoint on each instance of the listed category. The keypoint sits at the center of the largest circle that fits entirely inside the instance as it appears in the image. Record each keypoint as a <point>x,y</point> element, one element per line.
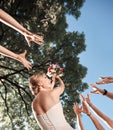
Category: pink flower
<point>54,69</point>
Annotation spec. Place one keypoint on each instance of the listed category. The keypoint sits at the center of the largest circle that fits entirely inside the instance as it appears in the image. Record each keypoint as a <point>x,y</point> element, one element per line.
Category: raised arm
<point>60,88</point>
<point>19,57</point>
<point>97,90</point>
<point>90,115</point>
<point>105,118</point>
<point>105,80</point>
<point>77,111</point>
<point>11,22</point>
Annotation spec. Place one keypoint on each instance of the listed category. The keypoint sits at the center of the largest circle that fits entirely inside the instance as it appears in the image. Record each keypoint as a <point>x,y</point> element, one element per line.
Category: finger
<point>38,39</point>
<point>88,96</point>
<point>29,44</point>
<point>28,41</point>
<point>81,96</point>
<point>104,78</point>
<point>101,82</point>
<point>53,81</point>
<point>75,106</point>
<point>76,103</point>
<point>57,77</point>
<point>39,42</point>
<point>95,91</point>
<point>29,67</point>
<point>92,85</point>
<point>81,108</point>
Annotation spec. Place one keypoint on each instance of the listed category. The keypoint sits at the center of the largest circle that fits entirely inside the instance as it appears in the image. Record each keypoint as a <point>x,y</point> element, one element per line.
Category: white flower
<point>55,69</point>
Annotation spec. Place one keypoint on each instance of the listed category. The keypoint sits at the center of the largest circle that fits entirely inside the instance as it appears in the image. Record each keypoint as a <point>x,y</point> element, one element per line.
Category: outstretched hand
<point>33,37</point>
<point>25,62</point>
<point>87,99</point>
<point>77,109</point>
<point>105,80</point>
<point>96,90</point>
<point>84,105</point>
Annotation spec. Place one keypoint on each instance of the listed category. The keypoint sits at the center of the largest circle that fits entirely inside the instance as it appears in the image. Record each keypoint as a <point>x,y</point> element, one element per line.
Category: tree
<point>48,18</point>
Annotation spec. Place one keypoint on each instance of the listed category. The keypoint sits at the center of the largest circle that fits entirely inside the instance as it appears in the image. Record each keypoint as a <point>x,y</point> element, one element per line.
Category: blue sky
<point>96,21</point>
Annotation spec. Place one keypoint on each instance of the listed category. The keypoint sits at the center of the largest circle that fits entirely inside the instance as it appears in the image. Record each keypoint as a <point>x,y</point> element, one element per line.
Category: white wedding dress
<point>53,119</point>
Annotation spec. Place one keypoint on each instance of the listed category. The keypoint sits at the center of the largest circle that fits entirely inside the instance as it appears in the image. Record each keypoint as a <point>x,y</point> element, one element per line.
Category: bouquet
<point>54,69</point>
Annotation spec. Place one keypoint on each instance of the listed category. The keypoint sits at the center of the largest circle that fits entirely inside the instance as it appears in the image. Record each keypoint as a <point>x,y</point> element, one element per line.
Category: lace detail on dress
<point>46,121</point>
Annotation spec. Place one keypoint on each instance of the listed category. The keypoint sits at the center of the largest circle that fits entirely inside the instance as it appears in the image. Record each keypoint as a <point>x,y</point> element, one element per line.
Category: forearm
<point>10,21</point>
<point>8,53</point>
<point>79,122</point>
<point>61,84</point>
<point>102,116</point>
<point>96,122</point>
<point>109,95</point>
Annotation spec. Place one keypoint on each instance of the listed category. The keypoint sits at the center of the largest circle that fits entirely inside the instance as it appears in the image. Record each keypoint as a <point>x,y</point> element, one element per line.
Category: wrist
<point>19,58</point>
<point>79,114</point>
<point>89,114</point>
<point>89,103</point>
<point>105,92</point>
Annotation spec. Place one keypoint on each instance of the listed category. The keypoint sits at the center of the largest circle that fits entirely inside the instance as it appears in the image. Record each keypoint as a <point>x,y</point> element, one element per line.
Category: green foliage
<point>47,18</point>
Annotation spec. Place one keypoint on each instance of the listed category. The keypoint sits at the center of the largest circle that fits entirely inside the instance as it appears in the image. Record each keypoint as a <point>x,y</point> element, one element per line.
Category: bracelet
<point>89,114</point>
<point>105,92</point>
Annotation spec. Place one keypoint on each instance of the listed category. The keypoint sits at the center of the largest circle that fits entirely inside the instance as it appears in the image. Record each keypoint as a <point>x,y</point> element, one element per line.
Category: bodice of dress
<point>53,119</point>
